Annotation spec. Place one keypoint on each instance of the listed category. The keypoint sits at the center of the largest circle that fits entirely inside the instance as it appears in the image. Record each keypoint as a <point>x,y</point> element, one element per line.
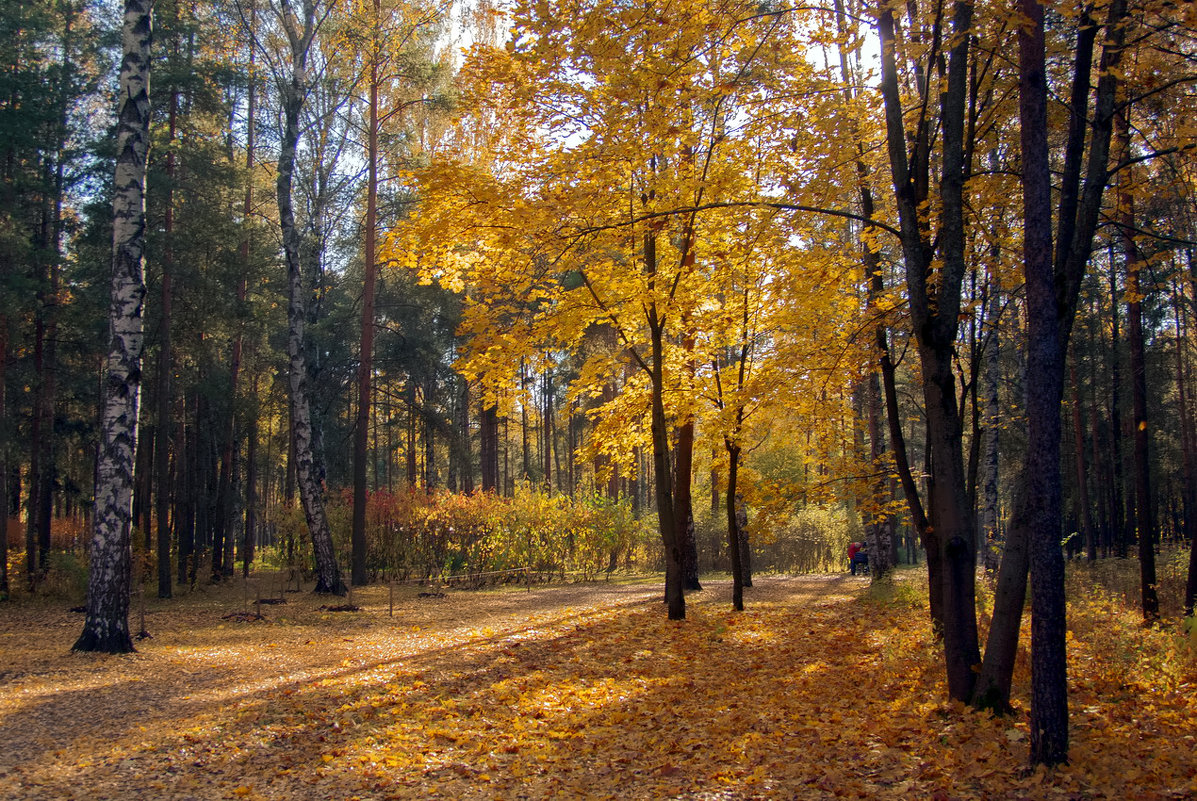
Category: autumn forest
<point>484,328</point>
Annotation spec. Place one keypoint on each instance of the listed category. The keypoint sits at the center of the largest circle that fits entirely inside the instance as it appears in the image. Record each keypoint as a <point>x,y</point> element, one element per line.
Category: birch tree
<point>299,26</point>
<point>106,627</point>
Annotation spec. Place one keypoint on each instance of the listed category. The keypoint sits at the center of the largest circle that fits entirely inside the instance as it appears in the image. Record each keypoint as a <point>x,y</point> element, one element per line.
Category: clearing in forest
<point>822,688</point>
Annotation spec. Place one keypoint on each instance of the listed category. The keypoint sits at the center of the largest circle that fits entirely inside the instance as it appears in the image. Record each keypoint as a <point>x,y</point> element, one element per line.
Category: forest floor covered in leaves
<point>822,688</point>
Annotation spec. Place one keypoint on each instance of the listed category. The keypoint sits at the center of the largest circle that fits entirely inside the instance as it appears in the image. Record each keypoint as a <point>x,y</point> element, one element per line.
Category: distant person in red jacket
<point>853,549</point>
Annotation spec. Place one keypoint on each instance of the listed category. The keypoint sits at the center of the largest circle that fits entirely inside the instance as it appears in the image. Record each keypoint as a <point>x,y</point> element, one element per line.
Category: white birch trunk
<point>106,627</point>
<point>293,89</point>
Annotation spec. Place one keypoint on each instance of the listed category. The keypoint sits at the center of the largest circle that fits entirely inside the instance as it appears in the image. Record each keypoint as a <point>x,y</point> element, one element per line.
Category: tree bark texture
<point>311,492</point>
<point>166,363</point>
<point>251,487</point>
<point>247,209</point>
<point>733,526</point>
<point>1045,393</point>
<point>881,525</point>
<point>743,537</point>
<point>992,417</point>
<point>666,522</point>
<point>1083,510</point>
<point>1078,209</point>
<point>365,369</point>
<point>106,626</point>
<point>934,314</point>
<point>4,446</point>
<point>489,446</point>
<point>1190,470</point>
<point>1144,518</point>
<point>683,505</point>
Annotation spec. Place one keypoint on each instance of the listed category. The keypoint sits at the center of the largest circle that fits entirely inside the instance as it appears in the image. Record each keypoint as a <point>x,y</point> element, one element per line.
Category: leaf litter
<point>575,691</point>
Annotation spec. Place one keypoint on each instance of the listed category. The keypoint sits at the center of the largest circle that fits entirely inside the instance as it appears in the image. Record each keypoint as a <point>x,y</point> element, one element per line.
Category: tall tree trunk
<point>247,209</point>
<point>1045,393</point>
<point>465,456</point>
<point>365,369</point>
<point>743,535</point>
<point>550,434</point>
<point>143,487</point>
<point>683,509</point>
<point>489,446</point>
<point>430,478</point>
<point>1105,528</point>
<point>1144,519</point>
<point>166,362</point>
<point>410,452</point>
<point>42,472</point>
<point>1118,486</point>
<point>221,510</point>
<point>106,626</point>
<point>525,447</point>
<point>881,559</point>
<point>1191,480</point>
<point>734,549</point>
<point>33,564</point>
<point>184,509</point>
<point>293,88</point>
<point>4,450</point>
<point>251,485</point>
<point>1035,518</point>
<point>990,461</point>
<point>1083,512</point>
<point>666,522</point>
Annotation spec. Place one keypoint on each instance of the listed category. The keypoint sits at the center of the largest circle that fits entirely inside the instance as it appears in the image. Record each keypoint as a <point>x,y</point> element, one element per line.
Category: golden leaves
<point>817,691</point>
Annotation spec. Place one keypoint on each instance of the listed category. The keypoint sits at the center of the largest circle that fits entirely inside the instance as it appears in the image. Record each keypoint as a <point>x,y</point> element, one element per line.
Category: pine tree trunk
<point>1191,481</point>
<point>3,461</point>
<point>1105,526</point>
<point>33,563</point>
<point>184,510</point>
<point>365,369</point>
<point>247,209</point>
<point>1083,511</point>
<point>1144,519</point>
<point>106,627</point>
<point>465,456</point>
<point>166,363</point>
<point>489,447</point>
<point>251,487</point>
<point>1118,498</point>
<point>430,476</point>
